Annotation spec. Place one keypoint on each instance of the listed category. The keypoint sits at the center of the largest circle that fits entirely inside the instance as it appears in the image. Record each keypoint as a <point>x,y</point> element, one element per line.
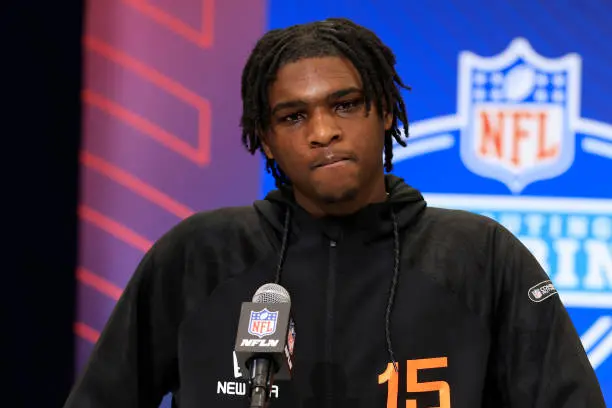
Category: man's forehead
<point>315,78</point>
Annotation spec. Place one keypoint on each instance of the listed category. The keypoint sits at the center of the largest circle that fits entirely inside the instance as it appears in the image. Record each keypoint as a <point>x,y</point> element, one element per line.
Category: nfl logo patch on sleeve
<point>542,291</point>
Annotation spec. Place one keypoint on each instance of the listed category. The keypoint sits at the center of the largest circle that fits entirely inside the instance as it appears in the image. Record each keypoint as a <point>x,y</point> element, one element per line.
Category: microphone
<point>265,340</point>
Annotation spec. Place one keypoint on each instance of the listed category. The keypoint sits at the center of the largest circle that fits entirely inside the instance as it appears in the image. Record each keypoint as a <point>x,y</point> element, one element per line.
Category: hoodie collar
<point>372,222</point>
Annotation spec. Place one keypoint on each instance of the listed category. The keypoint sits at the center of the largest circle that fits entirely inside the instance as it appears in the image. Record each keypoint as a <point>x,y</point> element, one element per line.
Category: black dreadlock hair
<point>374,61</point>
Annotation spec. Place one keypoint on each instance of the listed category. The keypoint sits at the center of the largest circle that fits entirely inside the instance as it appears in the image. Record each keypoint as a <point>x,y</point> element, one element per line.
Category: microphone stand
<point>260,382</point>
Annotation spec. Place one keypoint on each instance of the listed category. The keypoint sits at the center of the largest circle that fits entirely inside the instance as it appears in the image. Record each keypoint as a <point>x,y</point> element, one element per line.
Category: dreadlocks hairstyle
<point>340,37</point>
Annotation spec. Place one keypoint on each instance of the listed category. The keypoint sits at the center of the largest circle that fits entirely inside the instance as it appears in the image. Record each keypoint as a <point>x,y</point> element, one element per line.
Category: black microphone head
<point>271,293</point>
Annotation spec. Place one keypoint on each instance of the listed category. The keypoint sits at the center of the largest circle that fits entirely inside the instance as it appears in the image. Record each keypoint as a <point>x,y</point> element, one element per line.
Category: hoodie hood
<point>373,221</point>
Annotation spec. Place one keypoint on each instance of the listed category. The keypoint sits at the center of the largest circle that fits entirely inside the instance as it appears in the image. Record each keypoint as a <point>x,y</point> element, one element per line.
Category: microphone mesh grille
<point>271,293</point>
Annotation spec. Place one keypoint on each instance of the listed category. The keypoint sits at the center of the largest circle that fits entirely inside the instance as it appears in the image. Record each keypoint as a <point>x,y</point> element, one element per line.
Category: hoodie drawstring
<point>394,281</point>
<point>396,267</point>
<point>283,250</point>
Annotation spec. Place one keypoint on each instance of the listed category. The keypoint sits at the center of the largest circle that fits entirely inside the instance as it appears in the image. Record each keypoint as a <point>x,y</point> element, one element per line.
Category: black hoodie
<point>455,299</point>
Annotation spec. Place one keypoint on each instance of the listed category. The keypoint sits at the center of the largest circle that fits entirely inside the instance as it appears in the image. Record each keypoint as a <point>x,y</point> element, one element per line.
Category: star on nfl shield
<point>519,111</point>
<point>262,323</point>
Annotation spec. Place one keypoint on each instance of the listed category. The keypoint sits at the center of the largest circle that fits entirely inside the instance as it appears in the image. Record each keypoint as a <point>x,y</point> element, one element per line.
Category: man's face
<point>319,133</point>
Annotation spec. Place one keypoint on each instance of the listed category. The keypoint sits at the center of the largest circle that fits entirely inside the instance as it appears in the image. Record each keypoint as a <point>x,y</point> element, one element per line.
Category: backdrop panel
<point>161,137</point>
<point>511,119</point>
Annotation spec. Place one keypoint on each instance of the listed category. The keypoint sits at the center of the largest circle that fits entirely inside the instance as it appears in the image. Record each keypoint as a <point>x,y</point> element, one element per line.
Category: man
<point>395,303</point>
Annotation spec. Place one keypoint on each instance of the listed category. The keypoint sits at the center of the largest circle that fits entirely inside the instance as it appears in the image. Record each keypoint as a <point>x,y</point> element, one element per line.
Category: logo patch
<point>263,323</point>
<point>542,291</point>
<point>291,337</point>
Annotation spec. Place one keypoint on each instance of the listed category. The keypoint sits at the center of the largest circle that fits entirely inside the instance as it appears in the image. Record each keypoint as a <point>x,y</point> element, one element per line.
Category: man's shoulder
<point>475,236</point>
<point>221,219</point>
<point>215,227</point>
<point>460,221</point>
<point>470,233</point>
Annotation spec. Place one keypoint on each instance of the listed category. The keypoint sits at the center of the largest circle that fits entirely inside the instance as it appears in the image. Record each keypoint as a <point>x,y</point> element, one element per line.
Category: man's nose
<point>323,129</point>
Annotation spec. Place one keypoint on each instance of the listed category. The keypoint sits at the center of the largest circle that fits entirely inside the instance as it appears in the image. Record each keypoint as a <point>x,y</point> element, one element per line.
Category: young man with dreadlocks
<point>395,303</point>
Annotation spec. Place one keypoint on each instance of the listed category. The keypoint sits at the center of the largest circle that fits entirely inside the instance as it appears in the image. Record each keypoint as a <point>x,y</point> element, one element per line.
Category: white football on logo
<point>519,83</point>
<point>263,316</point>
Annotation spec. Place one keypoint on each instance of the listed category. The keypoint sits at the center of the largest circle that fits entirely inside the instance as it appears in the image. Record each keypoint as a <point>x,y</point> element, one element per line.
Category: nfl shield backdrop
<point>510,118</point>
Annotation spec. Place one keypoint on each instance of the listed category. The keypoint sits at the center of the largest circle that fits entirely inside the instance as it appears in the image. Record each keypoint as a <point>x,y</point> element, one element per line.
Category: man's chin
<point>338,196</point>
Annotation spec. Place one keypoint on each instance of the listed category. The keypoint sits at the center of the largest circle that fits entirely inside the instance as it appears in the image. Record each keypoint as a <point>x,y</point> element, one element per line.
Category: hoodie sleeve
<point>540,362</point>
<point>134,362</point>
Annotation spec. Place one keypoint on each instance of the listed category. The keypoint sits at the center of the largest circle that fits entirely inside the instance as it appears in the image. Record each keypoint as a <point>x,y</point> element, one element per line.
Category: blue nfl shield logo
<point>263,323</point>
<point>519,112</point>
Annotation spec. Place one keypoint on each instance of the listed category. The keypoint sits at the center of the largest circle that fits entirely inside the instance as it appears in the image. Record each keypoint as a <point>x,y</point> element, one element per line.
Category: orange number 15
<point>390,376</point>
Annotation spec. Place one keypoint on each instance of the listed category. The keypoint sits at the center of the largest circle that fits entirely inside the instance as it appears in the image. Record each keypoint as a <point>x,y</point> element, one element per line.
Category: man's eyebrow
<point>298,103</point>
<point>343,92</point>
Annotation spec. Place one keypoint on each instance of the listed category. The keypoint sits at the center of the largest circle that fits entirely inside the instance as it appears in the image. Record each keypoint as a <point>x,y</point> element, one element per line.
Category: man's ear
<point>265,146</point>
<point>388,119</point>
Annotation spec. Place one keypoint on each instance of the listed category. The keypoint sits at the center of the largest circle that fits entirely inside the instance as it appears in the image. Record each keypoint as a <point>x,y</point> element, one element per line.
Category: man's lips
<point>332,159</point>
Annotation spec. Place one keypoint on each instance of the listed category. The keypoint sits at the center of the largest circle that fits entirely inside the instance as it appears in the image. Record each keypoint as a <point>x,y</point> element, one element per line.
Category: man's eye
<point>348,106</point>
<point>292,118</point>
